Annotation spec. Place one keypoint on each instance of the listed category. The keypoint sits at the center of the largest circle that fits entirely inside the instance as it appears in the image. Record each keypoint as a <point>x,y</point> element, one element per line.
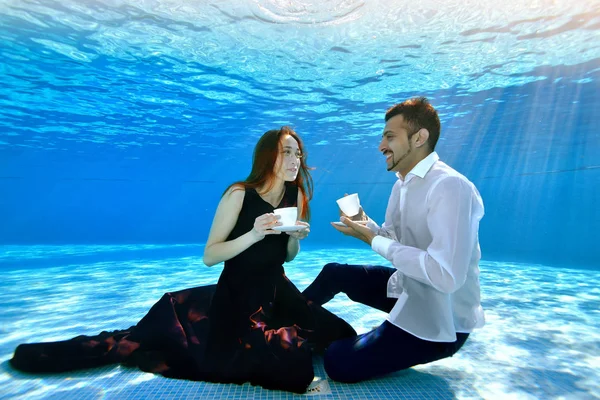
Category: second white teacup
<point>350,205</point>
<point>288,215</point>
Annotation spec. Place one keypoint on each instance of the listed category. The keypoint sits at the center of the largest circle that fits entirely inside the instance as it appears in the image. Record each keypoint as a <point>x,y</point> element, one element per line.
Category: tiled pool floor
<point>541,340</point>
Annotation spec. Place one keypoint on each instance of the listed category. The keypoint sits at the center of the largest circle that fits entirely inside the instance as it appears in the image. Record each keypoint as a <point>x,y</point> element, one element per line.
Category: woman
<point>254,325</point>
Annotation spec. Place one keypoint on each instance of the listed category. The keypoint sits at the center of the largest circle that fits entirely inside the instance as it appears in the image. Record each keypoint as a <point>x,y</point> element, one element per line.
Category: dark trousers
<point>382,350</point>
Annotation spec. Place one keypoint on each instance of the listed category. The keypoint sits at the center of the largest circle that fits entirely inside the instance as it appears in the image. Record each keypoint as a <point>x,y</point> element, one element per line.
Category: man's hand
<point>355,229</point>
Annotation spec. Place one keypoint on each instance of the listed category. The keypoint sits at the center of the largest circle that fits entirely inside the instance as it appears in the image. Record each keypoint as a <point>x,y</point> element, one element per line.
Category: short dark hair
<point>418,113</point>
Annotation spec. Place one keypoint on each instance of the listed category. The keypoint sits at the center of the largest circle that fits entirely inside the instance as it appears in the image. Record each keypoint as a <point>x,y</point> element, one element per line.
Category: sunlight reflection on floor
<point>541,340</point>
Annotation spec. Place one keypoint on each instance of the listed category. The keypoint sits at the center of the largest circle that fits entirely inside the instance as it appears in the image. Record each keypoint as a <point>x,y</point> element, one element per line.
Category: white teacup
<point>350,205</point>
<point>288,215</point>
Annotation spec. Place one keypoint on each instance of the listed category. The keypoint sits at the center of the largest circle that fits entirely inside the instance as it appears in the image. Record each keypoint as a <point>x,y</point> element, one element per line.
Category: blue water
<point>122,122</point>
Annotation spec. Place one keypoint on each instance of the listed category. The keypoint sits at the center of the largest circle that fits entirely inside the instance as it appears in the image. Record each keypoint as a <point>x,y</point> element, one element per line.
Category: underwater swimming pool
<point>122,122</point>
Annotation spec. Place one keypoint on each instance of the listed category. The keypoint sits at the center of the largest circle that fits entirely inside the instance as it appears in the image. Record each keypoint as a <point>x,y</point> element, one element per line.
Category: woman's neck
<point>274,194</point>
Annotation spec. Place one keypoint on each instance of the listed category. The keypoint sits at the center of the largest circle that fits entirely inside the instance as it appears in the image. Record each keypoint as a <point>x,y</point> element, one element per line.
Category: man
<point>430,235</point>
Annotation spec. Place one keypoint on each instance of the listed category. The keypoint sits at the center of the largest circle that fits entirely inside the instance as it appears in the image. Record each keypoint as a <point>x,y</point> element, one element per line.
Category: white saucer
<point>289,228</point>
<point>339,223</point>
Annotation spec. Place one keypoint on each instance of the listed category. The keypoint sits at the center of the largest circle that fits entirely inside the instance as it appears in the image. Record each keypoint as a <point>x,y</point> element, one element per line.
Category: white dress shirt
<point>430,235</point>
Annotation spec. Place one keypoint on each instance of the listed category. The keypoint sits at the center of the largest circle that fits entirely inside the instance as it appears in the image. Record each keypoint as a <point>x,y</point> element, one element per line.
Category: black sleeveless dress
<point>253,326</point>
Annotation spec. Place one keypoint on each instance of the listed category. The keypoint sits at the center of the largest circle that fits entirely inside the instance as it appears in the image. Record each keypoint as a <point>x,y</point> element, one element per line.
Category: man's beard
<point>402,157</point>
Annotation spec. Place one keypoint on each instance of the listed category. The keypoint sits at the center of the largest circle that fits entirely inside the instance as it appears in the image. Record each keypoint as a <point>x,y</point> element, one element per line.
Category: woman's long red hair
<point>263,162</point>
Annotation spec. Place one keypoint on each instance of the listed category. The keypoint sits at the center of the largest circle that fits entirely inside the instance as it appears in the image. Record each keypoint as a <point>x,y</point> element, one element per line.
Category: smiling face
<point>411,132</point>
<point>397,145</point>
<point>288,160</point>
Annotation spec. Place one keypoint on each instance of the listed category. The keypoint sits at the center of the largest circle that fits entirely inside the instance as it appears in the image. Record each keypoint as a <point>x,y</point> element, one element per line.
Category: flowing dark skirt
<point>263,335</point>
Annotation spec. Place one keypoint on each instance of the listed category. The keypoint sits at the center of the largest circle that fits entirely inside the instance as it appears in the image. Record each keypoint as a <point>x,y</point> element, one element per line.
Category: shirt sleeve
<point>386,231</point>
<point>455,209</point>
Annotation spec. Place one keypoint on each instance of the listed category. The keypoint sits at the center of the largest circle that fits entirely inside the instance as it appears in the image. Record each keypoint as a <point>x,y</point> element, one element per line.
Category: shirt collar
<point>423,166</point>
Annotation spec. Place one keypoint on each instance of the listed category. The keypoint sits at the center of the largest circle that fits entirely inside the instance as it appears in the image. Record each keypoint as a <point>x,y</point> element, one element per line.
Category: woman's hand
<point>263,225</point>
<point>301,234</point>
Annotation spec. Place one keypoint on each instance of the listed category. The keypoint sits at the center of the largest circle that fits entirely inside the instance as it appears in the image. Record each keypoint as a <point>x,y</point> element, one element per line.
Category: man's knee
<point>332,269</point>
<point>332,266</point>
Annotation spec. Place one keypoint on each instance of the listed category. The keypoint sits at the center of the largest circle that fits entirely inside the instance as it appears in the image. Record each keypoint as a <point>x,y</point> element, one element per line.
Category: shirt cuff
<point>381,245</point>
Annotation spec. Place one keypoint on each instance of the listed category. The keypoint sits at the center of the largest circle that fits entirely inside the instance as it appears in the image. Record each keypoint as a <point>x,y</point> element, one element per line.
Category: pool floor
<point>541,339</point>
